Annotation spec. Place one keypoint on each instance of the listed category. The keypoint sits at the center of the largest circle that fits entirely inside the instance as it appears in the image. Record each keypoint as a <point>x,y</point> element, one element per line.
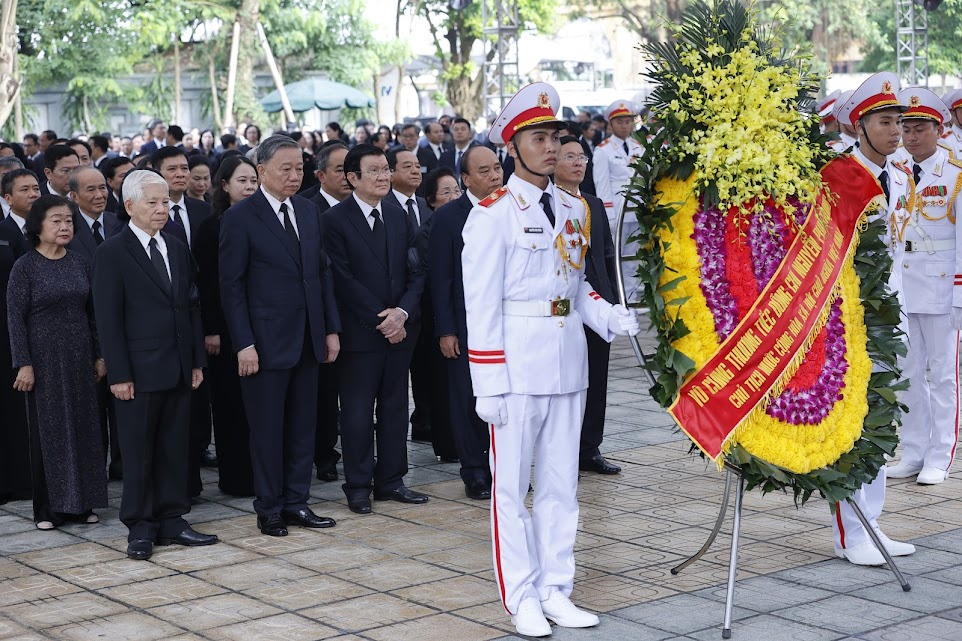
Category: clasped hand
<point>392,327</point>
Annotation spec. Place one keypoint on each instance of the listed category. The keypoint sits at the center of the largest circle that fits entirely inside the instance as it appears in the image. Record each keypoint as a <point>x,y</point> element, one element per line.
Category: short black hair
<point>176,132</point>
<point>38,212</point>
<point>352,161</point>
<point>427,127</point>
<point>110,166</point>
<point>462,120</point>
<point>100,142</point>
<point>413,126</point>
<point>392,155</point>
<point>73,142</point>
<point>196,160</point>
<point>227,140</point>
<point>324,155</point>
<point>49,134</point>
<point>56,153</point>
<point>162,154</point>
<point>6,183</point>
<point>599,119</point>
<point>431,182</point>
<point>34,137</point>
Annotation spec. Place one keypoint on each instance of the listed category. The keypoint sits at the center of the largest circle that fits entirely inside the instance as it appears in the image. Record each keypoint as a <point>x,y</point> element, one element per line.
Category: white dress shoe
<point>862,554</point>
<point>529,620</point>
<point>931,476</point>
<point>895,548</point>
<point>562,611</point>
<point>902,470</point>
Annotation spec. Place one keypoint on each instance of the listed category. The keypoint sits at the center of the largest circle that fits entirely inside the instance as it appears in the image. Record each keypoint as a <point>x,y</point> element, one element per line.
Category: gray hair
<point>74,180</point>
<point>133,186</point>
<point>272,144</point>
<point>324,155</point>
<point>9,163</point>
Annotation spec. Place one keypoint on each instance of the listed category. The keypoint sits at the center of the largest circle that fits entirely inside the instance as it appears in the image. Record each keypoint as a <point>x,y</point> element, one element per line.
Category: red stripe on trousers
<point>838,519</point>
<point>494,511</point>
<point>956,444</point>
<point>476,352</point>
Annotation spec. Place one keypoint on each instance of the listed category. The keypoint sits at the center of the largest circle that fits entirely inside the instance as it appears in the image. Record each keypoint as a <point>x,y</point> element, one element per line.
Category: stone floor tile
<point>451,594</point>
<point>191,559</point>
<point>130,626</point>
<point>905,527</point>
<point>766,627</point>
<point>68,556</point>
<point>927,560</point>
<point>472,558</point>
<point>438,627</point>
<point>297,539</point>
<point>927,595</point>
<point>394,574</point>
<point>296,594</point>
<point>837,576</point>
<point>214,611</point>
<point>251,574</point>
<point>678,614</point>
<point>952,575</point>
<point>948,541</point>
<point>241,527</point>
<point>363,613</point>
<point>847,613</point>
<point>9,629</point>
<point>282,627</point>
<point>621,557</point>
<point>15,524</point>
<point>765,558</point>
<point>702,574</point>
<point>163,591</point>
<point>110,573</point>
<point>33,539</point>
<point>601,592</point>
<point>51,612</point>
<point>31,587</point>
<point>491,614</point>
<point>766,593</point>
<point>10,569</point>
<point>928,628</point>
<point>338,555</point>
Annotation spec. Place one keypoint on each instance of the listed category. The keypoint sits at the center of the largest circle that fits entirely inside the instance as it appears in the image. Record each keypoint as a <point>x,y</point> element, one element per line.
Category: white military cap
<point>535,104</point>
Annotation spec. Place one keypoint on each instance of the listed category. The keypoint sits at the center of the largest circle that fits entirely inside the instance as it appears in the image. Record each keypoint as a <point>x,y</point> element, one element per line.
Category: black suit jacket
<point>449,157</point>
<point>15,236</point>
<point>151,333</point>
<point>600,268</point>
<point>197,211</point>
<point>113,203</point>
<point>148,148</point>
<point>366,280</point>
<point>321,202</point>
<point>310,192</point>
<point>271,290</point>
<point>424,211</point>
<point>83,238</point>
<point>12,247</point>
<point>444,267</point>
<point>429,162</point>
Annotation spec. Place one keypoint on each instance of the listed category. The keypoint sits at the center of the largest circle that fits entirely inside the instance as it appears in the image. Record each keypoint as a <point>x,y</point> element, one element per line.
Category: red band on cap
<point>956,105</point>
<point>619,112</point>
<point>921,111</point>
<point>874,102</point>
<point>527,117</point>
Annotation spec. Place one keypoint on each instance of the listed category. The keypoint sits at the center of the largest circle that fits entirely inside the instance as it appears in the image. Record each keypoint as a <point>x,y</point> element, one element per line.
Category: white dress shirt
<point>182,216</point>
<point>144,239</point>
<point>331,200</point>
<point>21,222</point>
<point>276,205</point>
<point>401,198</point>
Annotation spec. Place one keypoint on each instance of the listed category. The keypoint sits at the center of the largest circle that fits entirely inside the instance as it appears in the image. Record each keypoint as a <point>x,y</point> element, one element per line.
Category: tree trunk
<point>177,118</point>
<point>276,74</point>
<point>214,100</point>
<point>9,69</point>
<point>232,75</point>
<point>464,95</point>
<point>247,107</point>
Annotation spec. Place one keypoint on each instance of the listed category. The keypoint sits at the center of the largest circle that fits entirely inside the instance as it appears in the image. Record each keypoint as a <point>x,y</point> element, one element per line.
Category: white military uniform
<point>952,134</point>
<point>612,172</point>
<point>513,270</point>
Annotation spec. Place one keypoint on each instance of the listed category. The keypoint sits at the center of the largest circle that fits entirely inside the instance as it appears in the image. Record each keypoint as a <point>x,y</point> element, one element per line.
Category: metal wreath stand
<point>730,471</point>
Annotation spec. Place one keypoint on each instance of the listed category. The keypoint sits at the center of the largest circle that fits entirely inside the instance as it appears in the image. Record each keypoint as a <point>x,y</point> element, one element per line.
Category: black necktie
<point>883,179</point>
<point>916,173</point>
<point>501,156</point>
<point>412,217</point>
<point>175,214</point>
<point>380,237</point>
<point>158,260</point>
<point>289,227</point>
<point>437,152</point>
<point>624,146</point>
<point>546,203</point>
<point>457,166</point>
<point>98,237</point>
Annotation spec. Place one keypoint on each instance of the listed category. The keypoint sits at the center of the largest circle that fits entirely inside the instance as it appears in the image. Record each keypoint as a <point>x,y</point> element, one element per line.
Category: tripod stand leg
<point>714,533</point>
<point>733,562</point>
<point>878,544</point>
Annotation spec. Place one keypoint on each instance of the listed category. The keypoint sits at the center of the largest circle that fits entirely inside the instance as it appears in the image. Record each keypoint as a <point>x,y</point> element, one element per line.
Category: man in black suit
<point>158,133</point>
<point>92,226</point>
<point>59,162</point>
<point>429,155</point>
<point>20,190</point>
<point>482,175</point>
<point>278,298</point>
<point>463,140</point>
<point>149,325</point>
<point>172,163</point>
<point>332,189</point>
<point>31,151</point>
<point>600,272</point>
<point>405,181</point>
<point>407,138</point>
<point>379,295</point>
<point>115,170</point>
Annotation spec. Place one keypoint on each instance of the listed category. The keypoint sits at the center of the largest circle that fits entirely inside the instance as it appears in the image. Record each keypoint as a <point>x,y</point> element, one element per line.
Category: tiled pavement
<point>424,572</point>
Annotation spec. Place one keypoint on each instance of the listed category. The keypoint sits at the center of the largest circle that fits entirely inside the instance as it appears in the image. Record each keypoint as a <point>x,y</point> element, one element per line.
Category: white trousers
<point>629,267</point>
<point>534,551</point>
<point>870,499</point>
<point>930,429</point>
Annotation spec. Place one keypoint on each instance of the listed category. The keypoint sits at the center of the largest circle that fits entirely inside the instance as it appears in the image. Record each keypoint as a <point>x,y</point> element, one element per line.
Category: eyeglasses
<point>377,173</point>
<point>576,160</point>
<point>450,192</point>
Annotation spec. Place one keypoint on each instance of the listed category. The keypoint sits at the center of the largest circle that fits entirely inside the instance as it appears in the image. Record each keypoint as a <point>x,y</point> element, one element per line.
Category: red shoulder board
<point>493,198</point>
<point>902,167</point>
<point>604,142</point>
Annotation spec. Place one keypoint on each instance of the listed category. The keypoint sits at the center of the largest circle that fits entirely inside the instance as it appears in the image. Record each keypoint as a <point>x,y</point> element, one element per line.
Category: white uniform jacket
<point>928,270</point>
<point>952,138</point>
<point>511,254</point>
<point>612,172</point>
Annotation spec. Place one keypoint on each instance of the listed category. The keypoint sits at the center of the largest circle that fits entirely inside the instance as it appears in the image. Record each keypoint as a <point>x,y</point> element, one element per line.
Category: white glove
<point>623,321</point>
<point>957,318</point>
<point>492,410</point>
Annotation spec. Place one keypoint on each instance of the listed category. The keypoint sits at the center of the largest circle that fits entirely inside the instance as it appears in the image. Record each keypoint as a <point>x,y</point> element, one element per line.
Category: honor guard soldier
<point>926,230</point>
<point>612,171</point>
<point>847,138</point>
<point>526,298</point>
<point>874,113</point>
<point>826,113</point>
<point>952,134</point>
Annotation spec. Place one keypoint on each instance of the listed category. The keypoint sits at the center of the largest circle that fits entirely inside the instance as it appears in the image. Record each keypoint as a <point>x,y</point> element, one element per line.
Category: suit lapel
<point>140,256</point>
<point>264,211</point>
<point>364,230</point>
<point>84,236</point>
<point>174,262</point>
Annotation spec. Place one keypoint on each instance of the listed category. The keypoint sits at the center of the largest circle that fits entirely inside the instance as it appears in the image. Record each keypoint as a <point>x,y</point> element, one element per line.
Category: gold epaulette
<point>902,167</point>
<point>957,163</point>
<point>492,198</point>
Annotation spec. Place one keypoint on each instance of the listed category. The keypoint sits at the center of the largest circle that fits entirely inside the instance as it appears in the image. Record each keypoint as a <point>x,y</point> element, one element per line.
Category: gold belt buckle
<point>561,307</point>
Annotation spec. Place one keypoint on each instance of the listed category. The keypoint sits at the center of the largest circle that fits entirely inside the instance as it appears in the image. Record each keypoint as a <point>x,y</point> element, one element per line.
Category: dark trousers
<point>442,437</point>
<point>231,431</point>
<point>15,468</point>
<point>153,429</point>
<point>38,478</point>
<point>281,406</point>
<point>369,381</point>
<point>421,380</point>
<point>200,426</point>
<point>593,426</point>
<point>470,433</point>
<point>327,417</point>
<point>108,426</point>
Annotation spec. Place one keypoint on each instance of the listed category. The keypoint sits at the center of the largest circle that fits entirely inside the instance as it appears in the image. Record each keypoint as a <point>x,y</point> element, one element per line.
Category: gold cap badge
<point>886,87</point>
<point>915,101</point>
<point>544,101</point>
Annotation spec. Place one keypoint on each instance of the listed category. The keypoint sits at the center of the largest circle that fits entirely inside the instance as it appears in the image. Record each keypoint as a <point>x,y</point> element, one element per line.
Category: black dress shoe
<point>306,518</point>
<point>401,495</point>
<point>421,434</point>
<point>272,525</point>
<point>449,459</point>
<point>140,549</point>
<point>189,537</point>
<point>327,472</point>
<point>597,463</point>
<point>478,490</point>
<point>115,474</point>
<point>208,459</point>
<point>359,506</point>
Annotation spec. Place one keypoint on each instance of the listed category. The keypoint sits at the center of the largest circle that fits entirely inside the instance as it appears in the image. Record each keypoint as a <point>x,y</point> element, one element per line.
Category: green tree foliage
<point>945,32</point>
<point>646,18</point>
<point>455,34</point>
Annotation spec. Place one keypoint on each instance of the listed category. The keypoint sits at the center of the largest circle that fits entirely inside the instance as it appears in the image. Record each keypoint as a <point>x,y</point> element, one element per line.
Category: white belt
<point>929,245</point>
<point>536,308</point>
